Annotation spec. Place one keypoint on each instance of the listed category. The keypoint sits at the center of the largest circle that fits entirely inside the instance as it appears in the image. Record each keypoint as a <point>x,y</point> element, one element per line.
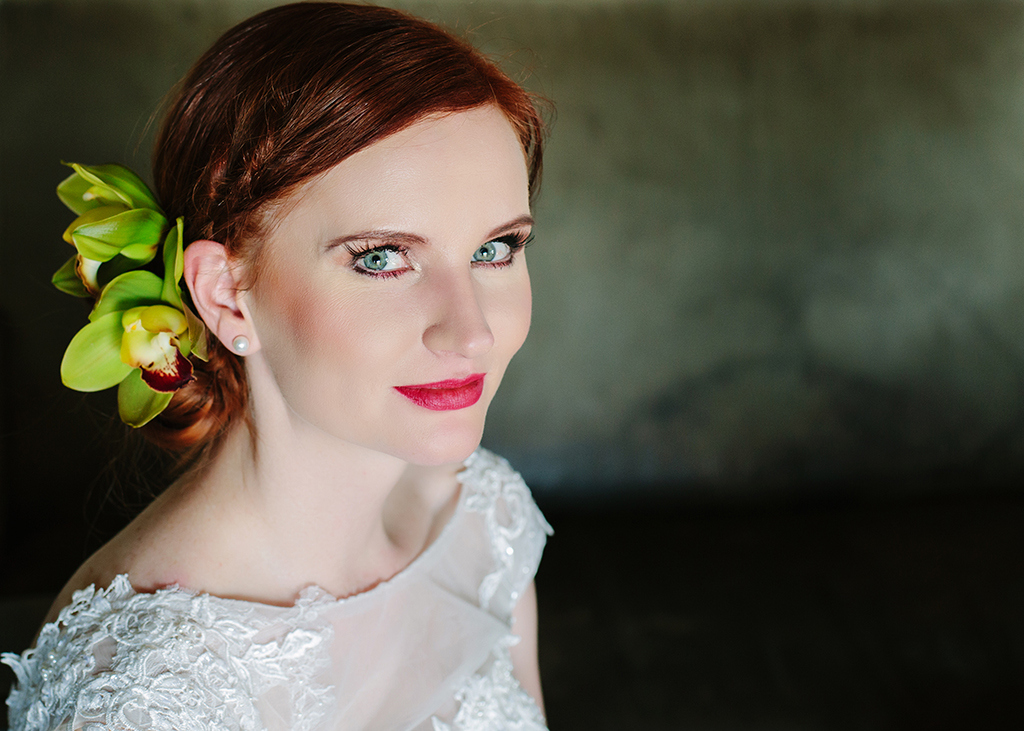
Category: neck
<point>297,507</point>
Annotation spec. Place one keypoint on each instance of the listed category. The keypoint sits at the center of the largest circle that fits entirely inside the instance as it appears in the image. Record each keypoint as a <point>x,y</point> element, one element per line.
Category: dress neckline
<point>311,595</point>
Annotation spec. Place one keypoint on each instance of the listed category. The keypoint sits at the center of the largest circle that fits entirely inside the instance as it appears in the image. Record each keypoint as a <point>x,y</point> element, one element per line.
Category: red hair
<point>278,99</point>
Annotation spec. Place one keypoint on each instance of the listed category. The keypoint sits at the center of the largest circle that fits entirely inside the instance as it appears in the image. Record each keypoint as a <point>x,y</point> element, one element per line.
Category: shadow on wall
<point>781,245</point>
<point>778,243</point>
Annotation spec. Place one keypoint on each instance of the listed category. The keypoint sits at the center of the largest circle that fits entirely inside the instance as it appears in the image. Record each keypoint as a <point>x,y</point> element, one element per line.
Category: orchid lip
<point>450,383</point>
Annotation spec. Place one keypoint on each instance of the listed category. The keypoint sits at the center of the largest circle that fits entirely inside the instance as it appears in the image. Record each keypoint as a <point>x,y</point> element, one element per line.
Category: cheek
<point>298,324</point>
<point>514,315</point>
<point>302,326</point>
<point>287,321</point>
<point>312,328</point>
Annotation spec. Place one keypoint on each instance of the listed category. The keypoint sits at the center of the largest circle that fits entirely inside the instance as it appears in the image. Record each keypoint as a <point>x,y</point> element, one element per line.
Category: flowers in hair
<point>140,334</point>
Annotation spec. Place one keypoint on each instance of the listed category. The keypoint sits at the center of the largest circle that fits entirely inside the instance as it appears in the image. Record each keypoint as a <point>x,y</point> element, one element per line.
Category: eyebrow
<point>525,220</point>
<point>388,236</point>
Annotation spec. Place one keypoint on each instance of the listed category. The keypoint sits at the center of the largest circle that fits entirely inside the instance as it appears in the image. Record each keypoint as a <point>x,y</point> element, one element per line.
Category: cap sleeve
<point>516,529</point>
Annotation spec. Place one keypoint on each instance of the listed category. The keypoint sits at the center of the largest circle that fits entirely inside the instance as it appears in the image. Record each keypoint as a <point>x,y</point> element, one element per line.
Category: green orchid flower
<point>140,333</point>
<point>119,226</point>
<point>151,342</point>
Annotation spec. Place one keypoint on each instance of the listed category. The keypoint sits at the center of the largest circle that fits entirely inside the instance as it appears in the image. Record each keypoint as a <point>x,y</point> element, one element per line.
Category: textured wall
<point>777,242</point>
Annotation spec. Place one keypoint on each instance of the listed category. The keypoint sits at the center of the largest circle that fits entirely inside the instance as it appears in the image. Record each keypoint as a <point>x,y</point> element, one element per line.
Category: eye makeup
<point>379,261</point>
<point>500,252</point>
<point>390,260</point>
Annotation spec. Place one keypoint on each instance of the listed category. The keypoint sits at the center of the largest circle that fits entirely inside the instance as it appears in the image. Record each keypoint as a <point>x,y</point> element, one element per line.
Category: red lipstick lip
<point>449,395</point>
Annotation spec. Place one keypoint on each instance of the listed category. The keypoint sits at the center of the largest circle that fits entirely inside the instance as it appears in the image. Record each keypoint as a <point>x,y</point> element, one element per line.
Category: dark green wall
<point>779,244</point>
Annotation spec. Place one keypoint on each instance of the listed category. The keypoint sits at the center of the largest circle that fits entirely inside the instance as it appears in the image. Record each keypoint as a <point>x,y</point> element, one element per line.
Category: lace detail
<point>515,525</point>
<point>117,660</point>
<point>494,701</point>
<point>120,661</point>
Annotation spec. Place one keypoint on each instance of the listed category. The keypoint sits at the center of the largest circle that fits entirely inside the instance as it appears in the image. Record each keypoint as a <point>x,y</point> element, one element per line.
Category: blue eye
<point>493,252</point>
<point>378,261</point>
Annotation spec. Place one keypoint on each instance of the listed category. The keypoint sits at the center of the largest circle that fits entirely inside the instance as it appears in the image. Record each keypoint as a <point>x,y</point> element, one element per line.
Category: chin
<point>446,444</point>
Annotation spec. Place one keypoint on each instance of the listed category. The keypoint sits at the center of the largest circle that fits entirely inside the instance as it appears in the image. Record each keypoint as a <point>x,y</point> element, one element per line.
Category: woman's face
<point>393,291</point>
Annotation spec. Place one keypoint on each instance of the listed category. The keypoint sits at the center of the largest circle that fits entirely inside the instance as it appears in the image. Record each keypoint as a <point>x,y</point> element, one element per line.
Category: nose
<point>459,325</point>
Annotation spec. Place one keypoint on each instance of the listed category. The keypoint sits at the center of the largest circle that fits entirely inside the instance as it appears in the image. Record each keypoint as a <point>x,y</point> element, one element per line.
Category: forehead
<point>465,168</point>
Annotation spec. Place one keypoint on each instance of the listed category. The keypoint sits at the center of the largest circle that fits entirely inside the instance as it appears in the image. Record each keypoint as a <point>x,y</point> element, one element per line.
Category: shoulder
<point>173,542</point>
<point>516,530</point>
<point>490,479</point>
<point>67,667</point>
<point>111,652</point>
<point>100,569</point>
<point>498,492</point>
<point>167,660</point>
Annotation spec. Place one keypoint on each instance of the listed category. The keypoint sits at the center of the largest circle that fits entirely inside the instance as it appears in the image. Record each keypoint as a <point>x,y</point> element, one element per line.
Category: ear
<point>213,279</point>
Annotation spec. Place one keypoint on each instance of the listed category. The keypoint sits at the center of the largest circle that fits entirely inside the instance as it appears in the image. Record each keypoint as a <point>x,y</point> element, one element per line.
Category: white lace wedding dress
<point>427,650</point>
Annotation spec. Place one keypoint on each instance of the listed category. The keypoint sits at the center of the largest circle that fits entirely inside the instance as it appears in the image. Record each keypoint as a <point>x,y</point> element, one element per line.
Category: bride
<point>353,186</point>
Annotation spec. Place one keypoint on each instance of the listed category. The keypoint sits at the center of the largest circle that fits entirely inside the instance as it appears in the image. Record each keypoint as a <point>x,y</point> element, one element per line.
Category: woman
<point>354,188</point>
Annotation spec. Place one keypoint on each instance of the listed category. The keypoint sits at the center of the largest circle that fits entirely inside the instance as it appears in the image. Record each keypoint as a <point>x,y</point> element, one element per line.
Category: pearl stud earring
<point>240,344</point>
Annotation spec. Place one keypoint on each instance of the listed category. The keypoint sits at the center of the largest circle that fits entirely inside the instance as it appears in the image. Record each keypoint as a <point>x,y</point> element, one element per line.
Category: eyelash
<point>358,254</point>
<point>516,242</point>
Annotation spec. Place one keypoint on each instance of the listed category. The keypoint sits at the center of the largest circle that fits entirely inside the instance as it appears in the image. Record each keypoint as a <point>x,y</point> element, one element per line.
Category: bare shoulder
<point>97,570</point>
<point>142,550</point>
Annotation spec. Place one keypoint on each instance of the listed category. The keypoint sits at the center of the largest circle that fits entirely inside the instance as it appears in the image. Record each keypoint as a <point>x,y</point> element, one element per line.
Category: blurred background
<point>773,397</point>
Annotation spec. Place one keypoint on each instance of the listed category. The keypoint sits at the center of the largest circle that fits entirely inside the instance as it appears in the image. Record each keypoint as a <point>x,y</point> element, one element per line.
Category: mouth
<point>456,393</point>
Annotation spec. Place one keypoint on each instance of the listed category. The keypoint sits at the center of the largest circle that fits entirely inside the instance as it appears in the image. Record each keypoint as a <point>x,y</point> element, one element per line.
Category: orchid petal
<point>170,377</point>
<point>67,281</point>
<point>143,349</point>
<point>80,195</point>
<point>71,192</point>
<point>135,233</point>
<point>92,361</point>
<point>131,319</point>
<point>92,216</point>
<point>143,252</point>
<point>149,340</point>
<point>113,268</point>
<point>164,367</point>
<point>137,402</point>
<point>161,318</point>
<point>174,262</point>
<point>130,290</point>
<point>97,188</point>
<point>197,335</point>
<point>119,181</point>
<point>88,272</point>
